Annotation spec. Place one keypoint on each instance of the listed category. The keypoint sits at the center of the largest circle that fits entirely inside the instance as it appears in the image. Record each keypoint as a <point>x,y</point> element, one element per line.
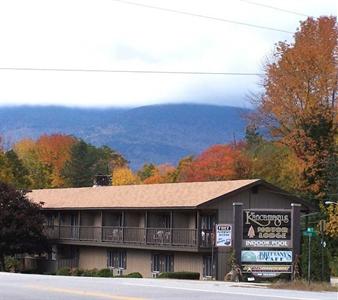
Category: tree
<point>53,151</point>
<point>124,176</point>
<point>161,174</point>
<point>146,171</point>
<point>19,172</point>
<point>39,173</point>
<point>299,104</point>
<point>218,162</point>
<point>86,161</point>
<point>21,224</point>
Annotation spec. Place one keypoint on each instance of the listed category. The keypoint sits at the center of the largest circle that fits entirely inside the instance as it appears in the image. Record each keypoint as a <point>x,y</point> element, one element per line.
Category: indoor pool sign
<point>266,225</point>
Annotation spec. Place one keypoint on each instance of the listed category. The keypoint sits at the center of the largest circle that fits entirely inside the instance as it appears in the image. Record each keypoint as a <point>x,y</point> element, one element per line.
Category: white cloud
<point>110,35</point>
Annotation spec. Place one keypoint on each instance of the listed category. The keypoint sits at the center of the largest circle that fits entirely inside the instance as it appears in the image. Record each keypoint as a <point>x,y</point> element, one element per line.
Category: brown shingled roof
<point>178,195</point>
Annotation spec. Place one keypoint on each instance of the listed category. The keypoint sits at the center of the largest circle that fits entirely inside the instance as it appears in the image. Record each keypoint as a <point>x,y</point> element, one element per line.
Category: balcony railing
<point>180,237</point>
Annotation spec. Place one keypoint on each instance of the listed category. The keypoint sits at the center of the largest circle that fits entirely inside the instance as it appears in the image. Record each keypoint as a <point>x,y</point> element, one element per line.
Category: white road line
<point>219,292</point>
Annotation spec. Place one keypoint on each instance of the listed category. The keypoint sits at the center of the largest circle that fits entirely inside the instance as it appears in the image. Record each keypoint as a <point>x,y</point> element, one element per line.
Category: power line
<point>131,71</point>
<point>275,8</point>
<point>201,16</point>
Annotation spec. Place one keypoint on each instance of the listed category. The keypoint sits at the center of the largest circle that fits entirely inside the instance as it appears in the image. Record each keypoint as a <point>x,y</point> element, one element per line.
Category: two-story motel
<point>149,228</point>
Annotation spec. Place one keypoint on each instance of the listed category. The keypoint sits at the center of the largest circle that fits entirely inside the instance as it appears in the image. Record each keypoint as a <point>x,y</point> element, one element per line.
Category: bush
<point>76,272</point>
<point>104,273</point>
<point>180,275</point>
<point>11,264</point>
<point>90,273</point>
<point>63,271</point>
<point>134,275</point>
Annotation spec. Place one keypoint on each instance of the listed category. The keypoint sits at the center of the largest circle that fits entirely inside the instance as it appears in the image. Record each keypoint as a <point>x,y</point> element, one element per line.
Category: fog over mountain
<point>156,133</point>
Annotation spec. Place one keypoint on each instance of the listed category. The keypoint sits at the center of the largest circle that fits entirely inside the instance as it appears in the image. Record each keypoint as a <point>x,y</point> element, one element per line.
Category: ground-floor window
<point>117,259</point>
<point>162,263</point>
<point>207,266</point>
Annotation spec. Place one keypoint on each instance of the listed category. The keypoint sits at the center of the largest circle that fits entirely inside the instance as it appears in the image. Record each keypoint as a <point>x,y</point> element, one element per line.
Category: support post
<point>123,223</point>
<point>296,230</point>
<point>59,223</point>
<point>171,227</point>
<point>237,230</point>
<point>146,227</point>
<point>309,261</point>
<point>198,228</point>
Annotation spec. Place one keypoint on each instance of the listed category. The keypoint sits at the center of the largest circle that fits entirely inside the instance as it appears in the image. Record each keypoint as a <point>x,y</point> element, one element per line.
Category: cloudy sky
<point>115,35</point>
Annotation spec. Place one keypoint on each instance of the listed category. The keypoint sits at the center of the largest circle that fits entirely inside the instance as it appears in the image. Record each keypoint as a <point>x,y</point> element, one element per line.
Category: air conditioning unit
<point>119,272</point>
<point>155,274</point>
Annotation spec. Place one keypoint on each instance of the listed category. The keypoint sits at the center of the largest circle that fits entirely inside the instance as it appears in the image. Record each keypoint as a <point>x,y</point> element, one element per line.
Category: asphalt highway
<point>44,287</point>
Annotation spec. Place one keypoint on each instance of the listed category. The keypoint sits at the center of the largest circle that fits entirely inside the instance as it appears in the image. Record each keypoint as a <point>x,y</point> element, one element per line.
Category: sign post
<point>309,233</point>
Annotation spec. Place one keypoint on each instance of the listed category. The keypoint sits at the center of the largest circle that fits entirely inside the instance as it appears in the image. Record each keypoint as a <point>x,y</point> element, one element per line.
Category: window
<point>117,259</point>
<point>208,221</point>
<point>162,263</point>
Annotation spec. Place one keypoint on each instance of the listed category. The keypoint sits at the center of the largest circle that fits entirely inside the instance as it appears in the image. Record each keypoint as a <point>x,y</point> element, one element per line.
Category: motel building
<point>151,228</point>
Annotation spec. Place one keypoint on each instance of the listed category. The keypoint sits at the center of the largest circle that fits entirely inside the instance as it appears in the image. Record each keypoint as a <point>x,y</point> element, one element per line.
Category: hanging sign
<point>266,256</point>
<point>223,235</point>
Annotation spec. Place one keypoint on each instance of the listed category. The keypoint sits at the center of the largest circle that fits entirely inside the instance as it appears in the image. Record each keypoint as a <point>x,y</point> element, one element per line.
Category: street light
<point>330,202</point>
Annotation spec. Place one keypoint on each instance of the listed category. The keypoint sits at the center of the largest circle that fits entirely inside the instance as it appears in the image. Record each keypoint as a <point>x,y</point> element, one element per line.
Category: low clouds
<point>106,34</point>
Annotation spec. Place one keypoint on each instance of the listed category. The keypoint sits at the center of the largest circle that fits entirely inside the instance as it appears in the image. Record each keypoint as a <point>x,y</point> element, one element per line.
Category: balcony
<point>138,237</point>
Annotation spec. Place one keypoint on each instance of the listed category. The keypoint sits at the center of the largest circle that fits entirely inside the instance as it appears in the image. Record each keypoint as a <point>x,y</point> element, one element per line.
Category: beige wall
<point>139,261</point>
<point>189,262</point>
<point>92,257</point>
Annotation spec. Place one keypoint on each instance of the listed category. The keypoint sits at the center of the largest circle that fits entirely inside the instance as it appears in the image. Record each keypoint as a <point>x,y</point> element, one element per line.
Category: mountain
<point>155,133</point>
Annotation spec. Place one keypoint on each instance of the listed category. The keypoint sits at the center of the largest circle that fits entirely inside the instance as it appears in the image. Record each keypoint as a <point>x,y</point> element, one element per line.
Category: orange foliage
<point>54,150</point>
<point>219,162</point>
<point>162,174</point>
<point>299,104</point>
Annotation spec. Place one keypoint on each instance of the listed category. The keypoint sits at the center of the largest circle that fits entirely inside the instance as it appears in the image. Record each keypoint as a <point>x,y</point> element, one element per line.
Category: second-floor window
<point>117,259</point>
<point>162,263</point>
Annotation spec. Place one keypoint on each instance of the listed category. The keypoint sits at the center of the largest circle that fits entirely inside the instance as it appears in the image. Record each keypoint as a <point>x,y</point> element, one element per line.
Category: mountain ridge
<point>161,133</point>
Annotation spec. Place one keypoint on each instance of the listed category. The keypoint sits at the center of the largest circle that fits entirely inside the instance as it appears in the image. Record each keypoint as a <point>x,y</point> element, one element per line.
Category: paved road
<point>43,287</point>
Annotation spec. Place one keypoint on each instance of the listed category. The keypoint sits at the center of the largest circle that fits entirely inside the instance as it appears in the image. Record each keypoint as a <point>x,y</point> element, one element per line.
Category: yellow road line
<point>81,293</point>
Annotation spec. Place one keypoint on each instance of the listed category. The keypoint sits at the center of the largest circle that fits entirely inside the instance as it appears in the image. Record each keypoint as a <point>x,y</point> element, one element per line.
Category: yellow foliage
<point>332,223</point>
<point>124,176</point>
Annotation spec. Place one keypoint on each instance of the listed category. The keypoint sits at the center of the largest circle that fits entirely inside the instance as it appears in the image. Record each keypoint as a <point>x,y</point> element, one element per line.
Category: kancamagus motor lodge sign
<point>269,229</point>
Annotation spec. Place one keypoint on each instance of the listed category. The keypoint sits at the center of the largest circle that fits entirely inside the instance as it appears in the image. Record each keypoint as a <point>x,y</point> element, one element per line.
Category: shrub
<point>180,275</point>
<point>90,273</point>
<point>11,264</point>
<point>63,271</point>
<point>76,272</point>
<point>104,273</point>
<point>134,275</point>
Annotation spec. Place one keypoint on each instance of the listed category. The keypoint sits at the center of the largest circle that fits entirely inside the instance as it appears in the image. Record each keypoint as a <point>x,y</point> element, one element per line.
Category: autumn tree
<point>299,104</point>
<point>21,224</point>
<point>218,162</point>
<point>39,173</point>
<point>53,151</point>
<point>161,174</point>
<point>124,176</point>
